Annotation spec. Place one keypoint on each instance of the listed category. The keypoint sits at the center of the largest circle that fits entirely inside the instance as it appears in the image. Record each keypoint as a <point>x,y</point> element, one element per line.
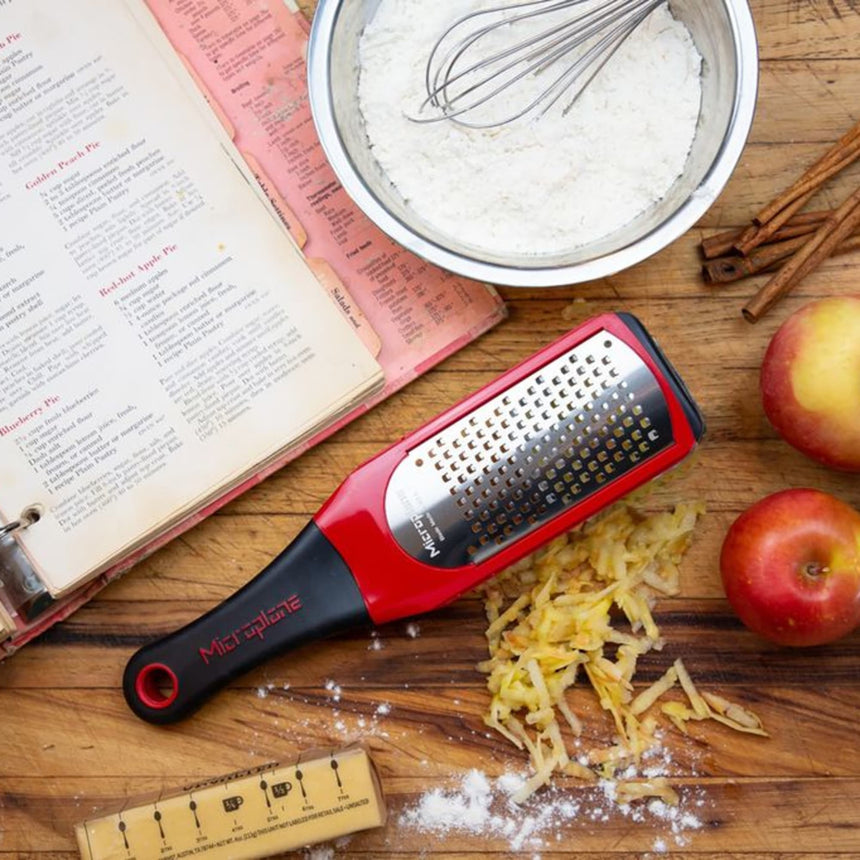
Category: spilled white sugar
<point>334,689</point>
<point>481,806</point>
<point>547,184</point>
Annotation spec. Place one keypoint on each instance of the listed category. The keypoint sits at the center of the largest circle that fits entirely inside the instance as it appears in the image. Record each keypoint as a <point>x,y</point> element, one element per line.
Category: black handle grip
<point>306,593</point>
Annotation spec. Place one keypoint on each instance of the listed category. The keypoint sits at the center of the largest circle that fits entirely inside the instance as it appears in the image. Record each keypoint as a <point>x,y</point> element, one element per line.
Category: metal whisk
<point>494,56</point>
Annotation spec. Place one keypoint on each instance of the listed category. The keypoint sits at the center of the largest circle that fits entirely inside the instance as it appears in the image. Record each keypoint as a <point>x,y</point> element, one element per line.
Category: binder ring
<point>10,527</point>
<point>28,516</point>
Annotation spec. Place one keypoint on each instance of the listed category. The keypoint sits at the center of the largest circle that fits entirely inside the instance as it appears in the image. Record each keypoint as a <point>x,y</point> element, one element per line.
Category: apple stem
<point>814,569</point>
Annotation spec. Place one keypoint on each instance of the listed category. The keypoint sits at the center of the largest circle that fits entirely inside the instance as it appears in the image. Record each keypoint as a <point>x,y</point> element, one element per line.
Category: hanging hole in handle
<point>156,685</point>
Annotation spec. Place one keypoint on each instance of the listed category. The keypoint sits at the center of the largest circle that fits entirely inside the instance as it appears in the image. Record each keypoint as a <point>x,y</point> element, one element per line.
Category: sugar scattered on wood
<point>334,689</point>
<point>479,805</point>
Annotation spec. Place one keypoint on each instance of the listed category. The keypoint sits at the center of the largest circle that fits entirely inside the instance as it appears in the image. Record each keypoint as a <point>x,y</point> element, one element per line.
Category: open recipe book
<point>171,331</point>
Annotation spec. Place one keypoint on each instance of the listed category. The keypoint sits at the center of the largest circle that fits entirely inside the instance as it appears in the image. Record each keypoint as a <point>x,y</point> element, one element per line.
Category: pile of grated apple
<point>583,606</point>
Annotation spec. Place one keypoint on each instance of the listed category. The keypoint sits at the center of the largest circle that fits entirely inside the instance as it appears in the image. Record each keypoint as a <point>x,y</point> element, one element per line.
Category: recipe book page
<point>248,56</point>
<point>160,334</point>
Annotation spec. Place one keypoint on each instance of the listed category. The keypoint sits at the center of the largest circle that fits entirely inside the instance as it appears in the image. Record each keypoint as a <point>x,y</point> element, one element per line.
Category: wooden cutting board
<point>72,749</point>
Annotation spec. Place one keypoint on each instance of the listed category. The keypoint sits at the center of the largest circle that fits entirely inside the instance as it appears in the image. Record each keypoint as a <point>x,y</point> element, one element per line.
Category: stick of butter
<point>251,814</point>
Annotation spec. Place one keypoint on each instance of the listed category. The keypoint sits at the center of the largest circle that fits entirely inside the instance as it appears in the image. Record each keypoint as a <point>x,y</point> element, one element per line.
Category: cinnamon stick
<point>843,153</point>
<point>725,270</point>
<point>833,231</point>
<point>801,224</point>
<point>756,234</point>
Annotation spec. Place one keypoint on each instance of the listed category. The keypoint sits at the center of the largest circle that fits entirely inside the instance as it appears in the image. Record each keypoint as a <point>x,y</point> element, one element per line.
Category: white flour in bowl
<point>544,185</point>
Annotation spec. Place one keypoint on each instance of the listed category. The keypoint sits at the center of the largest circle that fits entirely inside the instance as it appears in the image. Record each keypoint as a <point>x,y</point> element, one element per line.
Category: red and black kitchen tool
<point>546,445</point>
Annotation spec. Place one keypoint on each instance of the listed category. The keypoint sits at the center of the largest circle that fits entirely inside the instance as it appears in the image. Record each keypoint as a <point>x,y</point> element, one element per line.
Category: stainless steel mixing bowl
<point>724,34</point>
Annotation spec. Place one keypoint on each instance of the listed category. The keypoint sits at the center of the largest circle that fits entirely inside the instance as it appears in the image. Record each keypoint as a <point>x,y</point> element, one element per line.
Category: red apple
<point>810,381</point>
<point>791,567</point>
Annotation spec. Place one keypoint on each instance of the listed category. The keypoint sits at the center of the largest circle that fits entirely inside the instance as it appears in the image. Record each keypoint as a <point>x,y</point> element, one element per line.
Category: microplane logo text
<point>427,539</point>
<point>254,629</point>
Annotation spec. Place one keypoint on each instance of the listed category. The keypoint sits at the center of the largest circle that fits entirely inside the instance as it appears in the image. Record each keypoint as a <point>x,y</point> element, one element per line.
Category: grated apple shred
<point>559,625</point>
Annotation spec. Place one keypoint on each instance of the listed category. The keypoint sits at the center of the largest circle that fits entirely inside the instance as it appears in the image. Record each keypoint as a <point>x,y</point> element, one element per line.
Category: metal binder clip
<point>27,518</point>
<point>11,527</point>
<point>20,586</point>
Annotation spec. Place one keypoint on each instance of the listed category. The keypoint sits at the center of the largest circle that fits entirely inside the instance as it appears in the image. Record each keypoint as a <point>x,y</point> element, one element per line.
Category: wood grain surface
<point>71,748</point>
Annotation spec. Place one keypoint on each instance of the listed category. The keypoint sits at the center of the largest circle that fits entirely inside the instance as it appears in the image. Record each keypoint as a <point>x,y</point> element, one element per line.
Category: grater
<point>557,438</point>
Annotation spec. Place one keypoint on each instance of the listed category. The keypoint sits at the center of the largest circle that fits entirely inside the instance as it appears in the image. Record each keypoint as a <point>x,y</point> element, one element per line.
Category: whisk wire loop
<point>598,56</point>
<point>446,65</point>
<point>460,79</point>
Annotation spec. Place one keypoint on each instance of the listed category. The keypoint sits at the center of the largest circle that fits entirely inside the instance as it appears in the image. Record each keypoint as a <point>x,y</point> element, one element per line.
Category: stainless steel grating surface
<point>540,447</point>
